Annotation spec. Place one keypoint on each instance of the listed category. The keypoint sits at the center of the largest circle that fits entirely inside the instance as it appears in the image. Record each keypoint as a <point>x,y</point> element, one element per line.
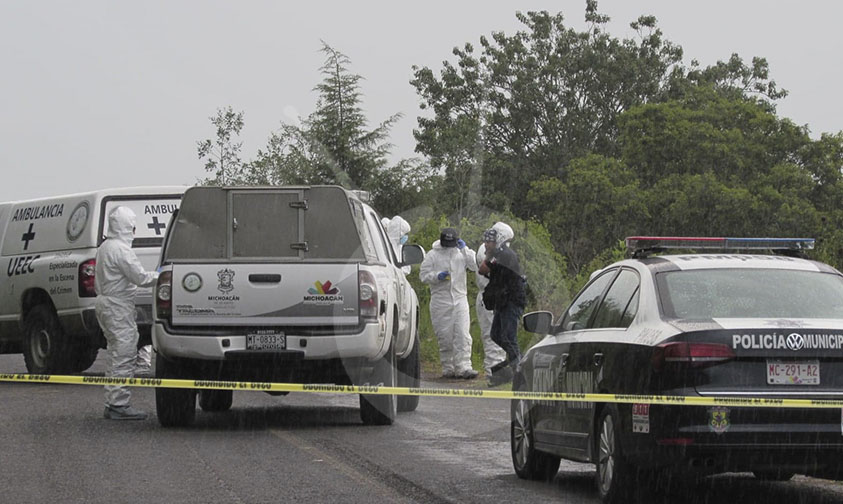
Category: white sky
<point>97,94</point>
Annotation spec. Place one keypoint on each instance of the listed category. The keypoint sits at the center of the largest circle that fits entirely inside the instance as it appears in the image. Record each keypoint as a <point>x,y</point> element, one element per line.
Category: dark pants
<point>505,331</point>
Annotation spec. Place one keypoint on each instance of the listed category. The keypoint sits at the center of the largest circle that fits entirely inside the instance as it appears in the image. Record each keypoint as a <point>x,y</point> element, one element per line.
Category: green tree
<point>222,155</point>
<point>596,201</point>
<point>530,103</point>
<point>333,145</point>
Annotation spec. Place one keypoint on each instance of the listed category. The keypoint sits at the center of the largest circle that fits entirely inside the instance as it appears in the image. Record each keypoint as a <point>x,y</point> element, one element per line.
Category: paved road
<point>56,447</point>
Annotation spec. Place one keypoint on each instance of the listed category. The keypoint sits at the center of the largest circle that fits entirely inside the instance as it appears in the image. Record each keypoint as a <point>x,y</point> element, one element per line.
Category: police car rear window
<point>750,293</point>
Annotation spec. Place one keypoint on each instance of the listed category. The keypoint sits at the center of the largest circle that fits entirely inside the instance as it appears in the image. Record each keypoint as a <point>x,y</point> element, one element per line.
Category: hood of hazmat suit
<point>118,270</point>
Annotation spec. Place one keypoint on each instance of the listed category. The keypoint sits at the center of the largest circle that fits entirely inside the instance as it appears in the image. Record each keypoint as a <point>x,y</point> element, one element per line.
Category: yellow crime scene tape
<point>753,402</point>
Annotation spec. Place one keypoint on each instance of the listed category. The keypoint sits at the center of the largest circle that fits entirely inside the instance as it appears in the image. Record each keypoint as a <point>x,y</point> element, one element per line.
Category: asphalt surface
<point>55,447</point>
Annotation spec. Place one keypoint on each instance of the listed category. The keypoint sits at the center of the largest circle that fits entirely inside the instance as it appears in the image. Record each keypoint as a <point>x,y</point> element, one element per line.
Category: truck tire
<point>212,400</point>
<point>380,409</point>
<point>175,407</point>
<point>409,375</point>
<point>45,346</point>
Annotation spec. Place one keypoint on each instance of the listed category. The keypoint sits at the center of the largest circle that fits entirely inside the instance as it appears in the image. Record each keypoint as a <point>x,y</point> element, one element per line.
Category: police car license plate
<point>793,372</point>
<point>266,339</point>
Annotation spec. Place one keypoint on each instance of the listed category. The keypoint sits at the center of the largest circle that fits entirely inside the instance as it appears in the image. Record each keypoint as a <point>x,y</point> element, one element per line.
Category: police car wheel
<point>615,476</point>
<point>44,344</point>
<point>528,462</point>
<point>380,409</point>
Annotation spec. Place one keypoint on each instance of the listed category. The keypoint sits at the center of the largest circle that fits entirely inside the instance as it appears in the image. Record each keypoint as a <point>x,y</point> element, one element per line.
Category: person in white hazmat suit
<point>118,275</point>
<point>397,230</point>
<point>494,357</point>
<point>444,269</point>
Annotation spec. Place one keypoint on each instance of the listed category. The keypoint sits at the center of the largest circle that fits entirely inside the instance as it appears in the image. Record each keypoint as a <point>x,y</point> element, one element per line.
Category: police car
<point>718,324</point>
<point>48,247</point>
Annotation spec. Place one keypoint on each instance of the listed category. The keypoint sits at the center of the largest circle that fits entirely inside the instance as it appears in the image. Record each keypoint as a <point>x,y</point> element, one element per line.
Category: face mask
<point>403,239</point>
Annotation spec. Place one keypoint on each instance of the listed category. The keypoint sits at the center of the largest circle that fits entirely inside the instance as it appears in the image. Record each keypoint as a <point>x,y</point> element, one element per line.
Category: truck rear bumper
<point>367,344</point>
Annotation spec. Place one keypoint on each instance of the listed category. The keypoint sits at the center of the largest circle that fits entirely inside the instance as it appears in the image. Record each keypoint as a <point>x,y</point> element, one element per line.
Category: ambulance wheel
<point>409,375</point>
<point>82,357</point>
<point>44,346</point>
<point>380,409</point>
<point>175,407</point>
<point>215,400</point>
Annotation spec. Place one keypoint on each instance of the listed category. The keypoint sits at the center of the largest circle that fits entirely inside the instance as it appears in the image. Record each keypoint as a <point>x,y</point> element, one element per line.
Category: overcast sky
<point>97,94</point>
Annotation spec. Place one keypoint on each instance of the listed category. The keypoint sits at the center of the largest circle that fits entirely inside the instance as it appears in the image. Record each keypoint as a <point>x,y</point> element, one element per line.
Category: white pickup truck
<point>283,284</point>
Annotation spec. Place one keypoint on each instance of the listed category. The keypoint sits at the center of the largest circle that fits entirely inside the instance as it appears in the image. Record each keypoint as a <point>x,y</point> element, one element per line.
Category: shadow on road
<point>281,416</point>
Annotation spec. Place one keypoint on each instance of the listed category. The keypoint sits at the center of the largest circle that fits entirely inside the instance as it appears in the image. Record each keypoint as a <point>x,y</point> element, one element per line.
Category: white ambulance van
<point>48,247</point>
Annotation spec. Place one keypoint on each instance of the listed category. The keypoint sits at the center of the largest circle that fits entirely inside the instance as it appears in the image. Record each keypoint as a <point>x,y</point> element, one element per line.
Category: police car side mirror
<point>538,322</point>
<point>411,254</point>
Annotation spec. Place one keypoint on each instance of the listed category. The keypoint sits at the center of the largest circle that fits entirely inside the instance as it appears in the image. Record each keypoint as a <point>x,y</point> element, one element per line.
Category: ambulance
<point>48,248</point>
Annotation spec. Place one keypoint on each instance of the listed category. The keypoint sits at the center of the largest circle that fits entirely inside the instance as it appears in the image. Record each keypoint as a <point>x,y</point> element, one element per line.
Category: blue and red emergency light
<point>637,244</point>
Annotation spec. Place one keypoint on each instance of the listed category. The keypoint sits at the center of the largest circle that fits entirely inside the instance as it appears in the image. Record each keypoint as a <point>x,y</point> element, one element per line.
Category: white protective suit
<point>395,229</point>
<point>449,310</point>
<point>492,353</point>
<point>118,273</point>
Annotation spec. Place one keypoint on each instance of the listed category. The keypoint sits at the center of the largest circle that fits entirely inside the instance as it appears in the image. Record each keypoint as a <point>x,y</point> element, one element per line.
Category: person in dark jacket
<point>506,294</point>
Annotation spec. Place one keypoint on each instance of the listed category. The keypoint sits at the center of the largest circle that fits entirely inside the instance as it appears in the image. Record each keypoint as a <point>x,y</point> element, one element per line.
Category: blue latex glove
<point>443,275</point>
<point>460,244</point>
<point>403,239</point>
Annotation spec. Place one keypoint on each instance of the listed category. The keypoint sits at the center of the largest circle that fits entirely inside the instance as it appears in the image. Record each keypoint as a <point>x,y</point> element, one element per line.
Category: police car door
<point>576,370</point>
<point>603,359</point>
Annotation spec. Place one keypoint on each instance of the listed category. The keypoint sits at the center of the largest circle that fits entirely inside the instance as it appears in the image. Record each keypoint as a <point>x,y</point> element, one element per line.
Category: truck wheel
<point>409,375</point>
<point>380,409</point>
<point>215,400</point>
<point>44,346</point>
<point>174,407</point>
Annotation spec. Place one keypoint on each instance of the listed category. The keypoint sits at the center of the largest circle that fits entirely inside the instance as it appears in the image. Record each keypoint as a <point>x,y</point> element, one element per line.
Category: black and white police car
<point>726,324</point>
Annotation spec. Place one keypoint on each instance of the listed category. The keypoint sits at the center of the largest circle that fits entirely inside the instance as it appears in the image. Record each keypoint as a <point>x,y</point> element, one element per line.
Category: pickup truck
<point>283,284</point>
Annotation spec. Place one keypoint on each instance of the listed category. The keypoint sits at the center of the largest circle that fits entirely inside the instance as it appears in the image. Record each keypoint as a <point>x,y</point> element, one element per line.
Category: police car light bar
<point>636,244</point>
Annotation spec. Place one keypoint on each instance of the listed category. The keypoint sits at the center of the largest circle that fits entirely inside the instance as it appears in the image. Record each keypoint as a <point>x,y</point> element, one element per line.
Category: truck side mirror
<point>411,254</point>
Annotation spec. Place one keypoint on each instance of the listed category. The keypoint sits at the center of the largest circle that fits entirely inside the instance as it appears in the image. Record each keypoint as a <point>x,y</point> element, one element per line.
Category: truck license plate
<point>793,373</point>
<point>266,339</point>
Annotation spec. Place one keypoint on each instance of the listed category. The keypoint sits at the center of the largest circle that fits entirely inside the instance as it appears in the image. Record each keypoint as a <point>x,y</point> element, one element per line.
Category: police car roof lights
<point>640,246</point>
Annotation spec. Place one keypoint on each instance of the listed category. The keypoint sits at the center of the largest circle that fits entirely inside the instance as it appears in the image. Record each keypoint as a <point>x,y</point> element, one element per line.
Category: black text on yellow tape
<point>749,402</point>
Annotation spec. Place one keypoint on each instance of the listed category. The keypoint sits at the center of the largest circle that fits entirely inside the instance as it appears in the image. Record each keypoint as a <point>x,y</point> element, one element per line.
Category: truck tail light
<point>696,355</point>
<point>164,295</point>
<point>87,273</point>
<point>367,295</point>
